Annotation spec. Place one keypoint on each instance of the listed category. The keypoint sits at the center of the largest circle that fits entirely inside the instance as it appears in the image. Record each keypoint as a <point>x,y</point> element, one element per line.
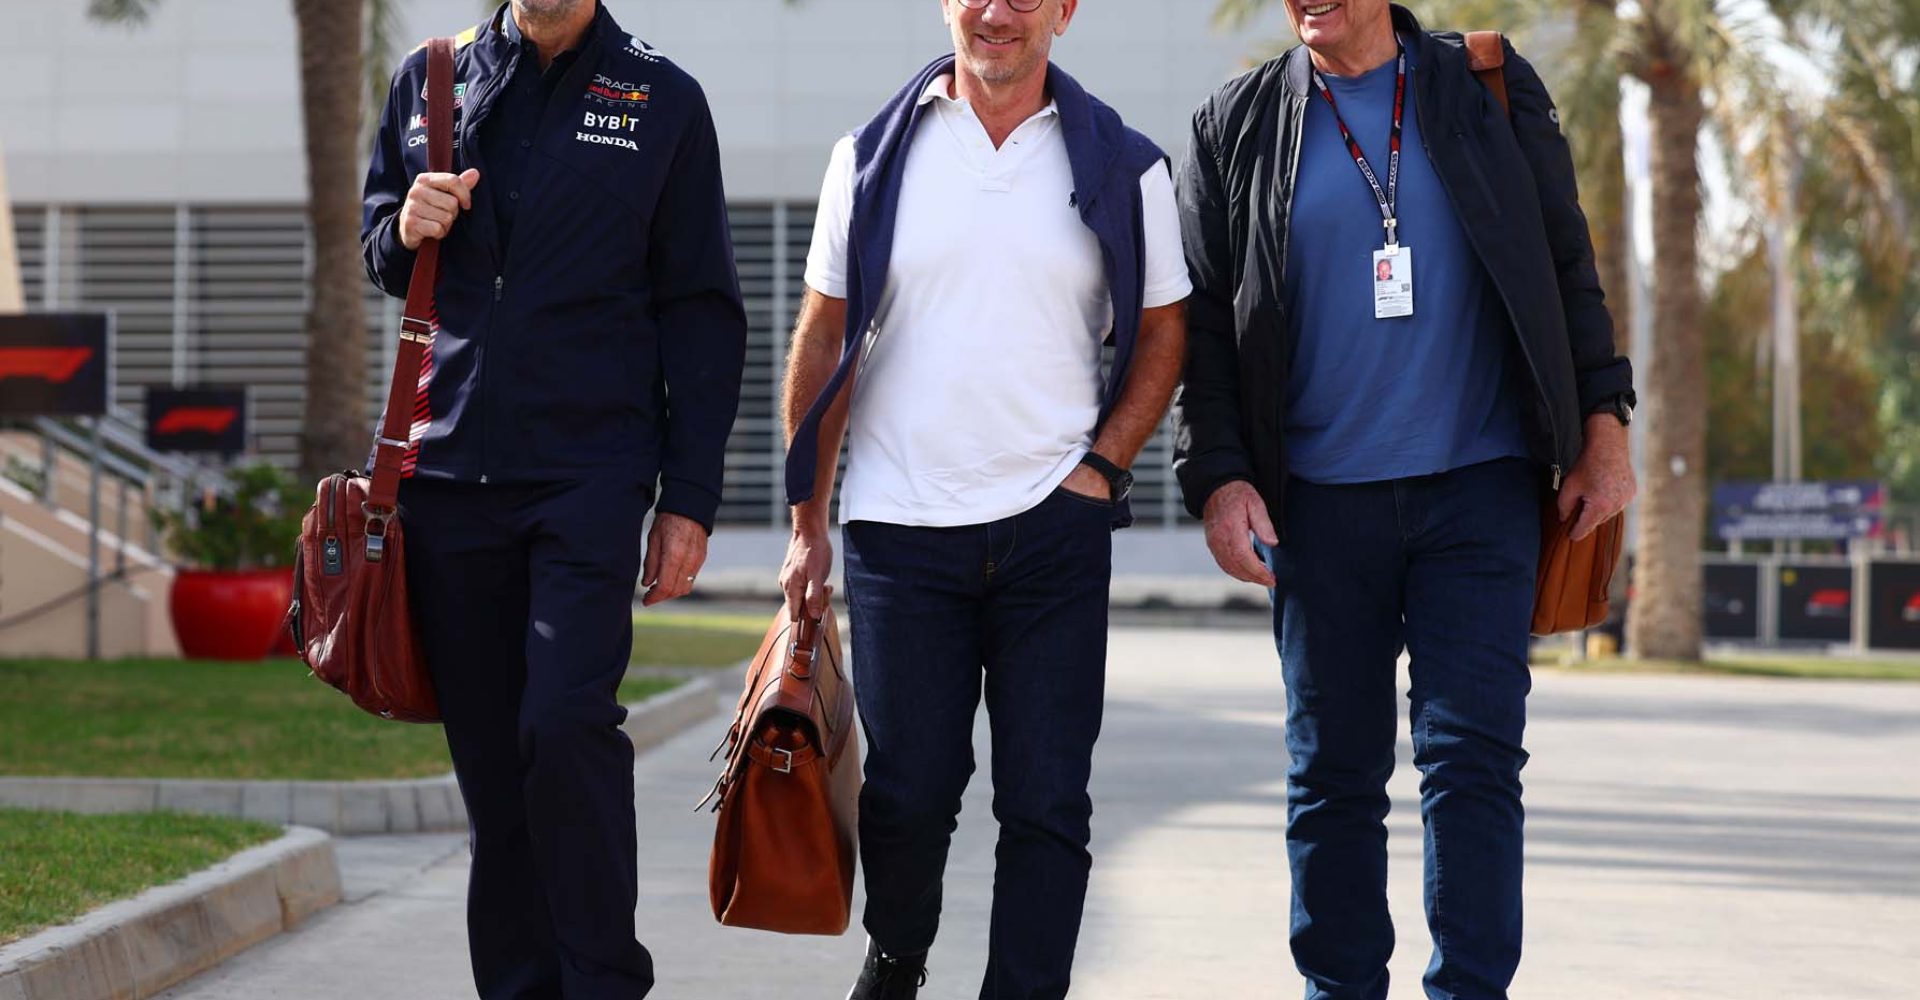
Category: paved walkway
<point>1706,838</point>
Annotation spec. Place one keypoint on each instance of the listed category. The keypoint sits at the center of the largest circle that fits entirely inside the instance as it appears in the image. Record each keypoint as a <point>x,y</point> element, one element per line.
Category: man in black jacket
<point>1397,433</point>
<point>589,343</point>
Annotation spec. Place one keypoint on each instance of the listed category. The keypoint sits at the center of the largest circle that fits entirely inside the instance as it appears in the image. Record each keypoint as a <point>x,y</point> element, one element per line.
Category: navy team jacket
<point>608,338</point>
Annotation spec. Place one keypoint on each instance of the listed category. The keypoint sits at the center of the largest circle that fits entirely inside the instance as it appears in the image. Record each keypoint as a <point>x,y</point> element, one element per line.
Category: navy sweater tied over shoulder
<point>1107,159</point>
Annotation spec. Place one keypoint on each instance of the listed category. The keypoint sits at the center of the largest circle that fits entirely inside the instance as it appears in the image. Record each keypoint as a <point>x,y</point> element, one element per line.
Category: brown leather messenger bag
<point>350,617</point>
<point>783,851</point>
<point>1570,591</point>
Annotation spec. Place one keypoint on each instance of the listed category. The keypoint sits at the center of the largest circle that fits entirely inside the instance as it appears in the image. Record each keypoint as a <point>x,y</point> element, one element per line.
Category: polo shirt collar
<point>941,88</point>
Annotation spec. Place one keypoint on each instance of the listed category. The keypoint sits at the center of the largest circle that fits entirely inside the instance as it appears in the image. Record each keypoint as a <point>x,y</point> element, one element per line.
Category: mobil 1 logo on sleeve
<point>210,419</point>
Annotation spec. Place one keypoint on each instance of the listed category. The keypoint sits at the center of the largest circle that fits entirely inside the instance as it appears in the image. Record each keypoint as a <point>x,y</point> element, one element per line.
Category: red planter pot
<point>222,615</point>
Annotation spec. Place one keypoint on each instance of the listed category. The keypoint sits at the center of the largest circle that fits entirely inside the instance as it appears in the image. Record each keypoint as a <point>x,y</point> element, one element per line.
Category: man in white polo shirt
<point>977,244</point>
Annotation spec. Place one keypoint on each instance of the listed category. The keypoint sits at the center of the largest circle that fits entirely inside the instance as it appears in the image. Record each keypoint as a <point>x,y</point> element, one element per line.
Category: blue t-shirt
<point>1377,399</point>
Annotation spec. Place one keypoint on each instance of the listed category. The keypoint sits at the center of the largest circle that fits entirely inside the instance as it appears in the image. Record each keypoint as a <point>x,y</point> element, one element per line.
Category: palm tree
<point>333,75</point>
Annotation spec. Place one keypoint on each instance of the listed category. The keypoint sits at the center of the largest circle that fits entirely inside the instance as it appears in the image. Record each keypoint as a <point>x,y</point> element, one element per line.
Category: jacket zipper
<point>470,123</point>
<point>331,563</point>
<point>1299,115</point>
<point>1539,384</point>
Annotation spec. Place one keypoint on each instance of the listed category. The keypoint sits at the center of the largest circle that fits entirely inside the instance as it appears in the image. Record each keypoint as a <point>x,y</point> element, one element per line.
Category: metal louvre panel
<point>246,309</point>
<point>123,262</point>
<point>30,233</point>
<point>242,313</point>
<point>746,497</point>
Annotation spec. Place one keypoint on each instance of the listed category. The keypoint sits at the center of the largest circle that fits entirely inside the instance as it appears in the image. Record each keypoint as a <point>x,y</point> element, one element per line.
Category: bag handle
<point>1487,55</point>
<point>418,320</point>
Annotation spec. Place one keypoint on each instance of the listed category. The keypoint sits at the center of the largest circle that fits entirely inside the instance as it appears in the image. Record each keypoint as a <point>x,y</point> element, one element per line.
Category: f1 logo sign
<point>48,364</point>
<point>54,365</point>
<point>206,419</point>
<point>203,419</point>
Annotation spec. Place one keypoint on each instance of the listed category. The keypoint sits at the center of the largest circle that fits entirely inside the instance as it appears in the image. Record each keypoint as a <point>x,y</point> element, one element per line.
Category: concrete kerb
<point>139,947</point>
<point>344,808</point>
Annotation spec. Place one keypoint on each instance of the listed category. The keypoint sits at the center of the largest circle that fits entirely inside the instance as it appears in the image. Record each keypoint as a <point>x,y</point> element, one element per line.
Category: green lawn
<point>1814,667</point>
<point>60,865</point>
<point>190,719</point>
<point>683,640</point>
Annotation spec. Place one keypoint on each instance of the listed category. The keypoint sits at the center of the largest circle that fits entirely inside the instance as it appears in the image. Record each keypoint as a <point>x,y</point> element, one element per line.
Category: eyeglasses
<point>1023,6</point>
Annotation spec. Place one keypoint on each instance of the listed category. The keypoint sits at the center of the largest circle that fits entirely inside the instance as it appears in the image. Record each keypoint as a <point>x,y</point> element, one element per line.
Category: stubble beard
<point>548,11</point>
<point>1008,69</point>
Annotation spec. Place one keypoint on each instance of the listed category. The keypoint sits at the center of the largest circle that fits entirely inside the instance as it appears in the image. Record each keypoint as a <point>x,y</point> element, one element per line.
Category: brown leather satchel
<point>783,852</point>
<point>350,617</point>
<point>1570,592</point>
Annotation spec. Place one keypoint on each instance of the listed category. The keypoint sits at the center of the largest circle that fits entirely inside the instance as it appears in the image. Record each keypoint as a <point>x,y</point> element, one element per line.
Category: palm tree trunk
<point>335,432</point>
<point>1664,620</point>
<point>1610,232</point>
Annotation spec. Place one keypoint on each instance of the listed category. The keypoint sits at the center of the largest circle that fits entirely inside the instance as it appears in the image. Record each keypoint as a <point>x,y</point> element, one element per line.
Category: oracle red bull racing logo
<point>619,93</point>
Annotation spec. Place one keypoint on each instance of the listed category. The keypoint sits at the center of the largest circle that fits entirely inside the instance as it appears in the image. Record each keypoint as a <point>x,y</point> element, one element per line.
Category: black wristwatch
<point>1119,481</point>
<point>1619,408</point>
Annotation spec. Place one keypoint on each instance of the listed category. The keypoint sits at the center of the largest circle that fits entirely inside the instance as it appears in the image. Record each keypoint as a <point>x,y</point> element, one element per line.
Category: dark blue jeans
<point>1442,566</point>
<point>523,594</point>
<point>1021,606</point>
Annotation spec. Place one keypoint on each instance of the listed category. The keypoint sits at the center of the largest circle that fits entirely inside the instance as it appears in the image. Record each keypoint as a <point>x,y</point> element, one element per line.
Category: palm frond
<point>131,12</point>
<point>385,42</point>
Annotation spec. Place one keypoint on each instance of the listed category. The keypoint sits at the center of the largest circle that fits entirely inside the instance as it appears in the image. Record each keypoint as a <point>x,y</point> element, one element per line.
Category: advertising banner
<point>54,365</point>
<point>1732,601</point>
<point>1893,620</point>
<point>1816,603</point>
<point>1803,511</point>
<point>203,419</point>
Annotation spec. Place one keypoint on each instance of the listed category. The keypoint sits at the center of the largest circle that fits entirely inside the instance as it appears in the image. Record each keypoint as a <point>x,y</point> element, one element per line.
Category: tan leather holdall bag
<point>351,619</point>
<point>783,852</point>
<point>1570,592</point>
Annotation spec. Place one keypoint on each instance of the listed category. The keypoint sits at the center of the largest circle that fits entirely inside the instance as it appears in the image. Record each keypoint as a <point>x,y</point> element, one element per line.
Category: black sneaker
<point>886,977</point>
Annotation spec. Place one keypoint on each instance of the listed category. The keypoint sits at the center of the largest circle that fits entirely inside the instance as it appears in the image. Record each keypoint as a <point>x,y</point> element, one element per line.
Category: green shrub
<point>255,526</point>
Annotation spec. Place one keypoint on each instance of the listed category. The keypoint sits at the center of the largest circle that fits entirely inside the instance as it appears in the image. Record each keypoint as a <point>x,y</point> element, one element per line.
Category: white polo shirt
<point>979,383</point>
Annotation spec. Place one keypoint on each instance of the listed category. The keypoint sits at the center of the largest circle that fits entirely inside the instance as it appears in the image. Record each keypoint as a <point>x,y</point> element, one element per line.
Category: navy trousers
<point>1442,566</point>
<point>524,599</point>
<point>1018,606</point>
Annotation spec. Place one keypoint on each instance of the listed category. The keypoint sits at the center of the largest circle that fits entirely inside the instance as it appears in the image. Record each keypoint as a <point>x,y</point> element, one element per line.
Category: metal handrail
<point>125,452</point>
<point>77,444</point>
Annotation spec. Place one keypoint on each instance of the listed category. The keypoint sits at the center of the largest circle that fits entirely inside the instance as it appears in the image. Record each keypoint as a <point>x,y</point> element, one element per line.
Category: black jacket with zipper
<point>1511,182</point>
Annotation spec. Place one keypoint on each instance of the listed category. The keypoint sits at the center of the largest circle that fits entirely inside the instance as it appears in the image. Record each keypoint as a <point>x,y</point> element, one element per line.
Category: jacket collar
<point>501,27</point>
<point>1298,69</point>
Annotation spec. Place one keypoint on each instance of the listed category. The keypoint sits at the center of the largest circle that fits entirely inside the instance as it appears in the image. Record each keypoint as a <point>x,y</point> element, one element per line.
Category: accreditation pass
<point>1393,282</point>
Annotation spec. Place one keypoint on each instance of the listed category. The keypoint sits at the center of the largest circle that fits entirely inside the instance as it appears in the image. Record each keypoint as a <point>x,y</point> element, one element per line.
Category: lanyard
<point>1389,198</point>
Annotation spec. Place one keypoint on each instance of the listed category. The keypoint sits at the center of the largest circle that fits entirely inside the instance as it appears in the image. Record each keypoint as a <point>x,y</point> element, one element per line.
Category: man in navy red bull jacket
<point>589,345</point>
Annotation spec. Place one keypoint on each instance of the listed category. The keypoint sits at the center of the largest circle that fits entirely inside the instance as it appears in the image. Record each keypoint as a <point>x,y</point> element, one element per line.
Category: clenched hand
<point>434,201</point>
<point>1601,483</point>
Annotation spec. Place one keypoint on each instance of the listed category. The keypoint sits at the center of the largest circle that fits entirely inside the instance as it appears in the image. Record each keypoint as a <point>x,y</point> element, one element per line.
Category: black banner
<point>202,419</point>
<point>1733,601</point>
<point>1816,603</point>
<point>1893,621</point>
<point>53,365</point>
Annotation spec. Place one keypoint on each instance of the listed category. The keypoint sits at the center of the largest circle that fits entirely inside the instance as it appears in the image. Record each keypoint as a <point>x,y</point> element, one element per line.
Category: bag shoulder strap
<point>1487,55</point>
<point>418,320</point>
